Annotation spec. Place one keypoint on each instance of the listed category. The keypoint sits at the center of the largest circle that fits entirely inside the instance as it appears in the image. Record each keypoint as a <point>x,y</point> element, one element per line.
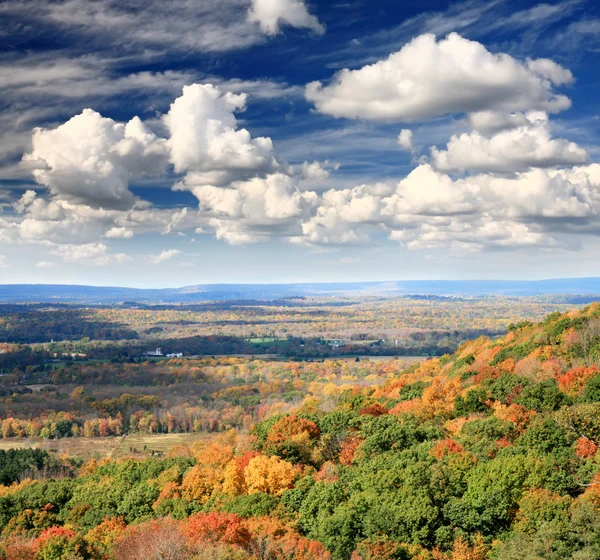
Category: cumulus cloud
<point>517,149</point>
<point>205,140</point>
<point>343,215</point>
<point>429,78</point>
<point>90,159</point>
<point>271,15</point>
<point>119,233</point>
<point>514,195</point>
<point>405,140</point>
<point>314,171</point>
<point>429,209</point>
<point>245,194</point>
<point>495,121</point>
<point>86,165</point>
<point>165,255</point>
<point>254,209</point>
<point>315,174</point>
<point>233,233</point>
<point>45,264</point>
<point>60,221</point>
<point>550,70</point>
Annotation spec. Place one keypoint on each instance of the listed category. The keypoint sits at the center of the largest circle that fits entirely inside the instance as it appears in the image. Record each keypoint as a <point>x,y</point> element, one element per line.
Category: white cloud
<point>60,221</point>
<point>517,149</point>
<point>210,25</point>
<point>428,78</point>
<point>89,253</point>
<point>342,215</point>
<point>2,261</point>
<point>119,233</point>
<point>405,140</point>
<point>87,163</point>
<point>233,233</point>
<point>45,264</point>
<point>205,141</point>
<point>548,69</point>
<point>253,210</point>
<point>246,195</point>
<point>315,171</point>
<point>315,175</point>
<point>429,209</point>
<point>165,255</point>
<point>495,121</point>
<point>90,159</point>
<point>90,77</point>
<point>272,14</point>
<point>424,193</point>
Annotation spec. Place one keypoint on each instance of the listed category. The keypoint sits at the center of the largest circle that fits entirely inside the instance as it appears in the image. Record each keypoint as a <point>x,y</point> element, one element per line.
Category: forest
<point>300,317</point>
<point>489,452</point>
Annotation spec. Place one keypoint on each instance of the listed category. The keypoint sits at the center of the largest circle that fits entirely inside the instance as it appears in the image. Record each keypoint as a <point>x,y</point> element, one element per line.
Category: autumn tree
<point>270,475</point>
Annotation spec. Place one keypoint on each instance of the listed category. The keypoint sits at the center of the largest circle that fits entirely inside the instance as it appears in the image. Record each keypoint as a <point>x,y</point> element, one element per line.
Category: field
<point>135,445</point>
<point>265,340</point>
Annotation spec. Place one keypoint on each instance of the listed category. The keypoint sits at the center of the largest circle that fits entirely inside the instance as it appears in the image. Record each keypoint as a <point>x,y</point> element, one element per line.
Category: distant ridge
<point>63,293</point>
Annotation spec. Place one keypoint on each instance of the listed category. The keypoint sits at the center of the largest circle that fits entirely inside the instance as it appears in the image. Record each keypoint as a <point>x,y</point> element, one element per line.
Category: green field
<point>265,340</point>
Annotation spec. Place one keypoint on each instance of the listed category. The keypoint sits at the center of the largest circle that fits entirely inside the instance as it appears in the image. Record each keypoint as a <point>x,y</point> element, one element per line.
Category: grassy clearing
<point>142,444</point>
<point>137,445</point>
<point>265,340</point>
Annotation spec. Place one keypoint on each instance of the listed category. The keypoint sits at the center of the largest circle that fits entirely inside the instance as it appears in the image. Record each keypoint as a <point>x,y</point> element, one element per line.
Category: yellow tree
<point>234,483</point>
<point>271,475</point>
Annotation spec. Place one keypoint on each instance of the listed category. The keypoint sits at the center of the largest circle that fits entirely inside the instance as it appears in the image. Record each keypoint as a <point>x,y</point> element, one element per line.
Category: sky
<point>153,144</point>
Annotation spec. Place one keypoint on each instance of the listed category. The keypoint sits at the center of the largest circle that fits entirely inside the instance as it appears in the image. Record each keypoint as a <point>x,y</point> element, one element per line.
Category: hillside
<point>66,293</point>
<point>490,452</point>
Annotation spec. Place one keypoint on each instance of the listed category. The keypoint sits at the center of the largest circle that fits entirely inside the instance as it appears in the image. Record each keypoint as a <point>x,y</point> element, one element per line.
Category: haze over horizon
<point>294,141</point>
<point>382,282</point>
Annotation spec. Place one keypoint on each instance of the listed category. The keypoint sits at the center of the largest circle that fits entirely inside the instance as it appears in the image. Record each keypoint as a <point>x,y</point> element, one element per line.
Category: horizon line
<point>312,282</point>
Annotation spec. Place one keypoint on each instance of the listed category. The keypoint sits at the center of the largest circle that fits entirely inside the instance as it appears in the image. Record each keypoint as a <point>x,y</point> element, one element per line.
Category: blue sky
<point>162,144</point>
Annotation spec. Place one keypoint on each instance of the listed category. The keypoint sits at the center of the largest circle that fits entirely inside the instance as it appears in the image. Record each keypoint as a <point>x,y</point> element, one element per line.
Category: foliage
<point>489,453</point>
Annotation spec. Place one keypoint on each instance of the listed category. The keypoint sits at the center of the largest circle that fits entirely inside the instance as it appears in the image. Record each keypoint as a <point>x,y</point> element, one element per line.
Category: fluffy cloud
<point>272,14</point>
<point>90,253</point>
<point>550,70</point>
<point>429,209</point>
<point>513,197</point>
<point>60,221</point>
<point>405,140</point>
<point>425,193</point>
<point>346,215</point>
<point>233,233</point>
<point>90,159</point>
<point>254,209</point>
<point>428,78</point>
<point>245,194</point>
<point>517,149</point>
<point>495,121</point>
<point>206,143</point>
<point>165,255</point>
<point>315,171</point>
<point>119,233</point>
